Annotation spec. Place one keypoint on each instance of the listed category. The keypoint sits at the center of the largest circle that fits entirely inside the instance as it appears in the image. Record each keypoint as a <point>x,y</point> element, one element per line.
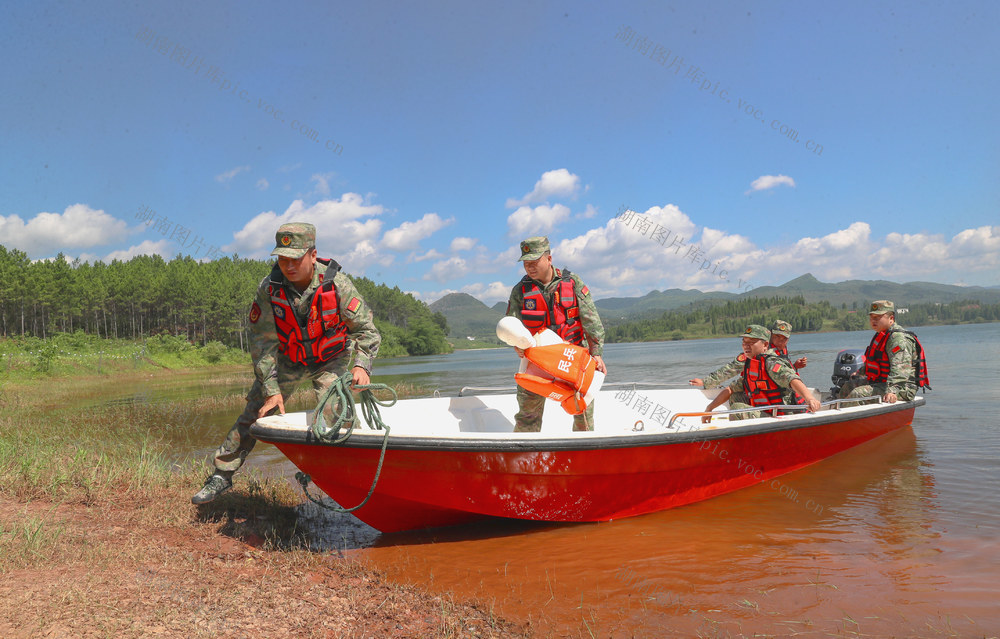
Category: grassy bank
<point>80,354</point>
<point>98,538</point>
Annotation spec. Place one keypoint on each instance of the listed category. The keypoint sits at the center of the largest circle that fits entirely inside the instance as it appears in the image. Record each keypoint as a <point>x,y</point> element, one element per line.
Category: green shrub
<point>213,352</point>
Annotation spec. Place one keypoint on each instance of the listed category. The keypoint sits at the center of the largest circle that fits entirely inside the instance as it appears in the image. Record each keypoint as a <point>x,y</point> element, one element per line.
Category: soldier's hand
<point>706,419</point>
<point>269,404</point>
<point>697,381</point>
<point>889,398</point>
<point>360,376</point>
<point>600,364</point>
<point>813,404</point>
<point>800,363</point>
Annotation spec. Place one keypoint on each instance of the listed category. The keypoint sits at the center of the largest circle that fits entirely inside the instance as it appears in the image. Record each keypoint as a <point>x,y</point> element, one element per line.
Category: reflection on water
<point>897,537</point>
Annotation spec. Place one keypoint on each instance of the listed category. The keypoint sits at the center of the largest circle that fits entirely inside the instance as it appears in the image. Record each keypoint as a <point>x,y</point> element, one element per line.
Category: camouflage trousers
<point>862,388</point>
<point>740,400</point>
<point>529,415</point>
<point>238,442</point>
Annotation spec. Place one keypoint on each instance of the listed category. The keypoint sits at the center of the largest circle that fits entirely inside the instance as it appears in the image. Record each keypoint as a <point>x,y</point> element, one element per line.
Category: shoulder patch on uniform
<point>742,357</point>
<point>896,349</point>
<point>353,304</point>
<point>585,290</point>
<point>254,313</point>
<point>776,367</point>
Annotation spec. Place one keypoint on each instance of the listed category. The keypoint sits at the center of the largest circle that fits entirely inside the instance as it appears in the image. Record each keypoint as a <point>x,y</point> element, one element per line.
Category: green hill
<point>854,294</point>
<point>468,317</point>
<point>864,291</point>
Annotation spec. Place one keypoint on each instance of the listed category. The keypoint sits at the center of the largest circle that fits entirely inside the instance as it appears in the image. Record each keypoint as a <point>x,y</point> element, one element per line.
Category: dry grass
<point>98,538</point>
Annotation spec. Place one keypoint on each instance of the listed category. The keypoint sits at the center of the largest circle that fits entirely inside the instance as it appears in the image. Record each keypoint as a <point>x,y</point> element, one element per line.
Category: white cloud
<point>558,183</point>
<point>429,297</point>
<point>407,236</point>
<point>262,184</point>
<point>225,178</point>
<point>489,294</point>
<point>765,182</point>
<point>341,225</point>
<point>449,269</point>
<point>146,247</point>
<point>322,181</point>
<point>617,259</point>
<point>527,221</point>
<point>463,244</point>
<point>432,254</point>
<point>79,226</point>
<point>588,212</point>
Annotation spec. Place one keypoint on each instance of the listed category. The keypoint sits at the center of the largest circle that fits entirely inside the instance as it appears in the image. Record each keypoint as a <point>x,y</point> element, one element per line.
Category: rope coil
<point>340,392</point>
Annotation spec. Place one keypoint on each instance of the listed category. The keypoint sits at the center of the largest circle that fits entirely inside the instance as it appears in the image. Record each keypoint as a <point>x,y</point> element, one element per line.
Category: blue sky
<point>852,141</point>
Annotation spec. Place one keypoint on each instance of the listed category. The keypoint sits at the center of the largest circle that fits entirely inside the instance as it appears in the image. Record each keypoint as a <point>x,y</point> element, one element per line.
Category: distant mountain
<point>655,301</point>
<point>468,317</point>
<point>864,291</point>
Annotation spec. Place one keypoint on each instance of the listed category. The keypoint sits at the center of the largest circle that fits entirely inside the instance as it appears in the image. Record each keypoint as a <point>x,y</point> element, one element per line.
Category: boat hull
<point>427,482</point>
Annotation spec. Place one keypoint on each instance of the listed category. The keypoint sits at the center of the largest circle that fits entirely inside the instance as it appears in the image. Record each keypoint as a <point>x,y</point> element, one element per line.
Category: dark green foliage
<point>179,304</point>
<point>730,318</point>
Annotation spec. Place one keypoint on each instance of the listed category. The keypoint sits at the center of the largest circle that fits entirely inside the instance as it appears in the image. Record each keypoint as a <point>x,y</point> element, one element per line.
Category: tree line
<point>705,319</point>
<point>200,301</point>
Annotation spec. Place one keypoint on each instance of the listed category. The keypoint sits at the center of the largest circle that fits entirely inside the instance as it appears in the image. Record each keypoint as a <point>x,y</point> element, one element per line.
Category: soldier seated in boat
<point>767,379</point>
<point>780,333</point>
<point>895,366</point>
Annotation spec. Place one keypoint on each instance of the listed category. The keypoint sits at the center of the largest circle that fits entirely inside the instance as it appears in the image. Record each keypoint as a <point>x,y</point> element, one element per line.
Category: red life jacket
<point>780,352</point>
<point>758,385</point>
<point>877,359</point>
<point>564,315</point>
<point>319,337</point>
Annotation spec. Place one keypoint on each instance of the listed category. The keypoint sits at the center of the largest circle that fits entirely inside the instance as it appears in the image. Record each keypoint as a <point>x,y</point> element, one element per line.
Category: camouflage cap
<point>757,331</point>
<point>534,248</point>
<point>294,240</point>
<point>881,307</point>
<point>781,327</point>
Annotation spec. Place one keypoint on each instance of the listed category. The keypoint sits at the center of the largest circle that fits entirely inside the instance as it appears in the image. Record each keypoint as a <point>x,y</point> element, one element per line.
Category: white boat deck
<point>616,413</point>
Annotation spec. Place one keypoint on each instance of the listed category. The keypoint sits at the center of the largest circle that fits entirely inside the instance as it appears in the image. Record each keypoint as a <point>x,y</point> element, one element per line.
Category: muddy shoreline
<point>98,538</point>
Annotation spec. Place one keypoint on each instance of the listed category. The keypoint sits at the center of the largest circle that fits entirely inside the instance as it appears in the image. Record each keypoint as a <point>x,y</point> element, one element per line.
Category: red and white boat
<point>453,460</point>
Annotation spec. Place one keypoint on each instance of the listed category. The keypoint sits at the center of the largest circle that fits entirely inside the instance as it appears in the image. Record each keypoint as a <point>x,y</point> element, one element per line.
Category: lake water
<point>901,538</point>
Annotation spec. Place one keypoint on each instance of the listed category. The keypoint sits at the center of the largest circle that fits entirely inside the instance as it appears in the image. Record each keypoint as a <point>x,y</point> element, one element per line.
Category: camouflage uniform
<point>275,372</point>
<point>531,405</point>
<point>902,371</point>
<point>728,371</point>
<point>782,377</point>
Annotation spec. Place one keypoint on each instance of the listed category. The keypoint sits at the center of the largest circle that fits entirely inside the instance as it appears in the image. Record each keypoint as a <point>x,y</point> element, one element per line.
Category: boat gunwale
<point>365,438</point>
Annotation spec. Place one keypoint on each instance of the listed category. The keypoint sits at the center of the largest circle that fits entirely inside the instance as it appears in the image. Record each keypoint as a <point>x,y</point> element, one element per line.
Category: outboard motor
<point>850,363</point>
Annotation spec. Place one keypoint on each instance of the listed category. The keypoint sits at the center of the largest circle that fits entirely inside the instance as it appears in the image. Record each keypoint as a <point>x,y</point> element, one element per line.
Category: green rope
<point>345,416</point>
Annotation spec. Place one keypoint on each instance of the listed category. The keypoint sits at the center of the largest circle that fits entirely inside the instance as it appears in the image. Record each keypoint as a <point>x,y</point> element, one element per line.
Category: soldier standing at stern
<point>547,297</point>
<point>306,322</point>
